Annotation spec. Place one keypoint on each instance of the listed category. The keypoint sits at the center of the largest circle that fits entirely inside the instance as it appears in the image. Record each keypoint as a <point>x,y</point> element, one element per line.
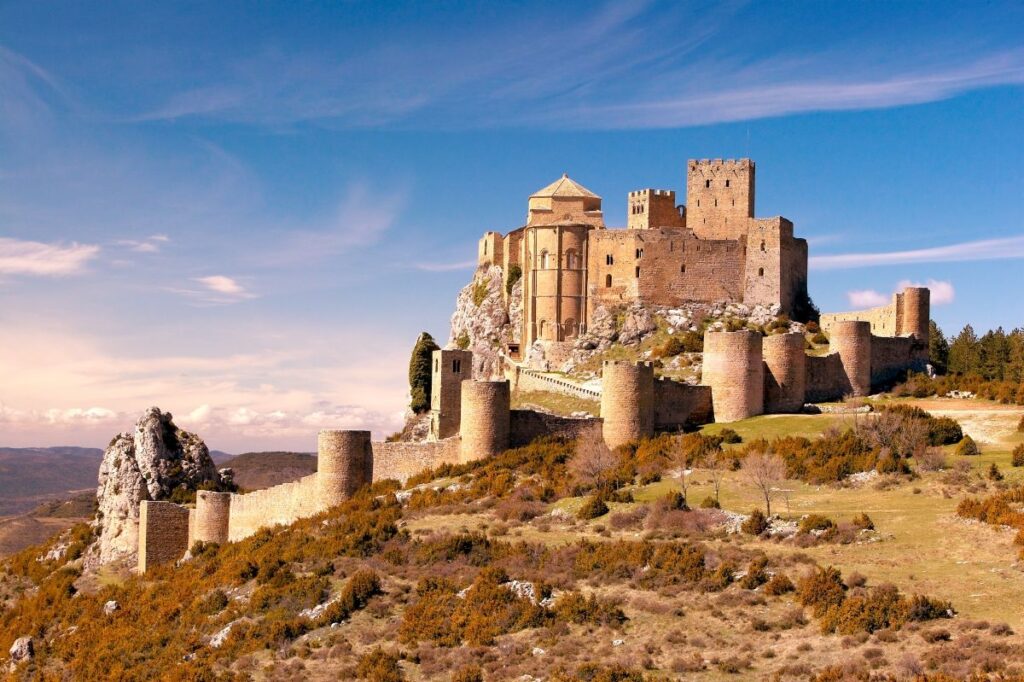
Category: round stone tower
<point>213,512</point>
<point>785,378</point>
<point>627,401</point>
<point>916,312</point>
<point>485,419</point>
<point>344,464</point>
<point>852,340</point>
<point>734,369</point>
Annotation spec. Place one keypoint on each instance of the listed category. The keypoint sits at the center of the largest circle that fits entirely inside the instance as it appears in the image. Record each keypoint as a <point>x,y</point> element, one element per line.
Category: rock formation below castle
<point>486,320</point>
<point>156,461</point>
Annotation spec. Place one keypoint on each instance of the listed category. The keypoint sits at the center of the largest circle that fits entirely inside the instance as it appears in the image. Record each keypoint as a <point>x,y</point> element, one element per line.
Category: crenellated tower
<point>719,197</point>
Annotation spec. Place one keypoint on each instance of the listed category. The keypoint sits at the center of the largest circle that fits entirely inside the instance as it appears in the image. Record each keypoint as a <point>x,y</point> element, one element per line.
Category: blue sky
<point>245,213</point>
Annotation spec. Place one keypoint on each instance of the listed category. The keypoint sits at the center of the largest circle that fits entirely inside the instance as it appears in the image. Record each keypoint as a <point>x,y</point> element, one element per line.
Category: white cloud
<point>18,257</point>
<point>867,298</point>
<point>76,415</point>
<point>151,244</point>
<point>446,267</point>
<point>215,290</point>
<point>222,285</point>
<point>983,249</point>
<point>942,292</point>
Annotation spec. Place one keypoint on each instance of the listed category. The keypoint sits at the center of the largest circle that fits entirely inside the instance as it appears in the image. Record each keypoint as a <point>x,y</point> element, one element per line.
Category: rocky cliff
<point>481,322</point>
<point>156,461</point>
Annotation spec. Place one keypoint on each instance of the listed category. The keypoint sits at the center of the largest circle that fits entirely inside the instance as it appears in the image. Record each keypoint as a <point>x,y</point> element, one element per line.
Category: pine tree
<point>964,353</point>
<point>938,348</point>
<point>420,373</point>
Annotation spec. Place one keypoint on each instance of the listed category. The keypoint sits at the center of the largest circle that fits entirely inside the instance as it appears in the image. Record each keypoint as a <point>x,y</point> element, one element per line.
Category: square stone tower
<point>719,197</point>
<point>652,208</point>
<point>450,369</point>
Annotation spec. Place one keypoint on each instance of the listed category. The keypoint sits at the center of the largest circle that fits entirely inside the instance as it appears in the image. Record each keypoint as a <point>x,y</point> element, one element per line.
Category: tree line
<point>995,356</point>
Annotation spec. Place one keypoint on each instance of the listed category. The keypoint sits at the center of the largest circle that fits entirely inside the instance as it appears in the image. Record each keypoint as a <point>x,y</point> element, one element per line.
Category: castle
<point>711,250</point>
<point>714,251</point>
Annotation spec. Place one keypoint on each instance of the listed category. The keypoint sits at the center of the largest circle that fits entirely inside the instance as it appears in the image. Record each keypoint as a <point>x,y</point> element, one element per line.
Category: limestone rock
<point>110,607</point>
<point>21,650</point>
<point>156,461</point>
<point>637,323</point>
<point>481,323</point>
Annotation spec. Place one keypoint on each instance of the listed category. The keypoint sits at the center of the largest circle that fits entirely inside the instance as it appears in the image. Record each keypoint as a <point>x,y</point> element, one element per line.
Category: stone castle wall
<point>528,425</point>
<point>678,405</point>
<point>785,373</point>
<point>400,461</point>
<point>524,379</point>
<point>826,379</point>
<point>211,518</point>
<point>163,533</point>
<point>627,401</point>
<point>719,197</point>
<point>282,504</point>
<point>734,369</point>
<point>486,407</point>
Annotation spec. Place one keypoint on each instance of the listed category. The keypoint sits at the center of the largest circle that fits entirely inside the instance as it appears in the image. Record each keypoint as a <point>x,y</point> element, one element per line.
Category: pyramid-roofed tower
<point>564,187</point>
<point>563,202</point>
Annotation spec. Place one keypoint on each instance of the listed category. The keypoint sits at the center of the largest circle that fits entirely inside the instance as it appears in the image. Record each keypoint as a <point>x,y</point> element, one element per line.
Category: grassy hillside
<point>486,571</point>
<point>29,476</point>
<point>256,470</point>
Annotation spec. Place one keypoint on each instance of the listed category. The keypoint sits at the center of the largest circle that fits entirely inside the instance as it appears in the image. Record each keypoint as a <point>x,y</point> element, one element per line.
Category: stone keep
<point>734,369</point>
<point>486,419</point>
<point>627,401</point>
<point>785,376</point>
<point>213,514</point>
<point>851,339</point>
<point>344,464</point>
<point>450,368</point>
<point>163,533</point>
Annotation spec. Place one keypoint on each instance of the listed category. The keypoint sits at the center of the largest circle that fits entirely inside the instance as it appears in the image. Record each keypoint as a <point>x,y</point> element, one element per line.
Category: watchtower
<point>651,208</point>
<point>450,368</point>
<point>719,197</point>
<point>627,401</point>
<point>486,409</point>
<point>344,463</point>
<point>734,369</point>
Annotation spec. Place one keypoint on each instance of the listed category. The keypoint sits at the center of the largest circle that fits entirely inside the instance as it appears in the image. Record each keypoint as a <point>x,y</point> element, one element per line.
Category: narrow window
<point>682,268</point>
<point>638,271</point>
<point>485,248</point>
<point>760,272</point>
<point>544,260</point>
<point>608,260</point>
<point>457,366</point>
<point>608,281</point>
<point>707,183</point>
<point>726,183</point>
<point>762,246</point>
<point>716,202</point>
<point>436,367</point>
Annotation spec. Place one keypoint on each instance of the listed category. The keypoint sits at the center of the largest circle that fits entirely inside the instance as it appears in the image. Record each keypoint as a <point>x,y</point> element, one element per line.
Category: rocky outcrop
<point>481,322</point>
<point>21,651</point>
<point>156,461</point>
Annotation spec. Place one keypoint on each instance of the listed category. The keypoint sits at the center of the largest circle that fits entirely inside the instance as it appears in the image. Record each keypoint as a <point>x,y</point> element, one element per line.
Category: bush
<point>515,273</point>
<point>923,608</point>
<point>469,673</point>
<point>815,522</point>
<point>710,502</point>
<point>757,574</point>
<point>932,459</point>
<point>993,472</point>
<point>1018,456</point>
<point>821,590</point>
<point>944,431</point>
<point>967,448</point>
<point>879,609</point>
<point>379,666</point>
<point>730,437</point>
<point>592,508</point>
<point>421,373</point>
<point>819,339</point>
<point>573,607</point>
<point>778,585</point>
<point>863,522</point>
<point>756,523</point>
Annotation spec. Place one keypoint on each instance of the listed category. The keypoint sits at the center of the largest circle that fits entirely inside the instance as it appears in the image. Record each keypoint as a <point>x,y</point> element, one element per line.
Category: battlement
<point>637,193</point>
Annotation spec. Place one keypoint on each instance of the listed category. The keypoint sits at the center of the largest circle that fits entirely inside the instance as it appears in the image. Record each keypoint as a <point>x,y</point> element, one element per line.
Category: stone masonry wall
<point>734,369</point>
<point>678,405</point>
<point>826,379</point>
<point>400,461</point>
<point>531,380</point>
<point>527,425</point>
<point>163,533</point>
<point>282,504</point>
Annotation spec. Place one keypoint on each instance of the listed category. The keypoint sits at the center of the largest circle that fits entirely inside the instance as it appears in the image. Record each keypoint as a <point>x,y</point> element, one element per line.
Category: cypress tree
<point>420,373</point>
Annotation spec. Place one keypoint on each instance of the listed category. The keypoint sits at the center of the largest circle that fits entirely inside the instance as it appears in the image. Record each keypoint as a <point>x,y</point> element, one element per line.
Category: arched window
<point>572,259</point>
<point>607,281</point>
<point>544,259</point>
<point>760,272</point>
<point>541,328</point>
<point>570,328</point>
<point>762,246</point>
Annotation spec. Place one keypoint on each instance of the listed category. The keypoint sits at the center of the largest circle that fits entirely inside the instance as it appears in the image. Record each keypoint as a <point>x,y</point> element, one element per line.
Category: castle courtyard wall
<point>678,405</point>
<point>400,461</point>
<point>528,425</point>
<point>281,504</point>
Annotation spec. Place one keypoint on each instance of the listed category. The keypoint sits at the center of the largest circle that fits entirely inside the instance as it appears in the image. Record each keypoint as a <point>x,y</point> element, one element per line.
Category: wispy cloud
<point>215,290</point>
<point>151,244</point>
<point>446,267</point>
<point>984,249</point>
<point>942,293</point>
<point>18,257</point>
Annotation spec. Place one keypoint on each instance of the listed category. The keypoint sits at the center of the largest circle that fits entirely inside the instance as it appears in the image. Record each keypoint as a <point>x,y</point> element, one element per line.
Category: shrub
<point>812,327</point>
<point>469,673</point>
<point>967,448</point>
<point>819,339</point>
<point>730,437</point>
<point>932,459</point>
<point>756,523</point>
<point>515,273</point>
<point>710,502</point>
<point>993,472</point>
<point>821,590</point>
<point>944,431</point>
<point>213,602</point>
<point>379,666</point>
<point>815,522</point>
<point>573,607</point>
<point>757,574</point>
<point>878,609</point>
<point>778,585</point>
<point>592,508</point>
<point>923,608</point>
<point>863,522</point>
<point>1018,456</point>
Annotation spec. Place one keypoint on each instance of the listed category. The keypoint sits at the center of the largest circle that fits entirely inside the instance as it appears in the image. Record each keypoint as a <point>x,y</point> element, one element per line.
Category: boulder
<point>21,650</point>
<point>155,461</point>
